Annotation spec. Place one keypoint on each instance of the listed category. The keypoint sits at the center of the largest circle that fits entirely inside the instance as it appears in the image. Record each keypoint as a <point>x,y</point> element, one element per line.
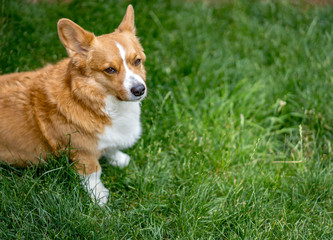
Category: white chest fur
<point>125,129</point>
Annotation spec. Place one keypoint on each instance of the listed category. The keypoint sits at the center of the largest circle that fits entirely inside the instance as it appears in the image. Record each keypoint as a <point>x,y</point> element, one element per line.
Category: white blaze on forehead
<point>130,76</point>
<point>122,53</point>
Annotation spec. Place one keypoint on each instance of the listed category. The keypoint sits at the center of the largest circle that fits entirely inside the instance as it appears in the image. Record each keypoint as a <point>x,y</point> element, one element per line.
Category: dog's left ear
<point>127,24</point>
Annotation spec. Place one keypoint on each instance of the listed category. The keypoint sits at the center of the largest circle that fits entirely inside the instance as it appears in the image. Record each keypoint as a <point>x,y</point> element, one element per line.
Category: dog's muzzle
<point>138,90</point>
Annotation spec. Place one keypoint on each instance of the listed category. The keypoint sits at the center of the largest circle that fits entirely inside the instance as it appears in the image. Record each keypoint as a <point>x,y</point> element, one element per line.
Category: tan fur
<point>41,110</point>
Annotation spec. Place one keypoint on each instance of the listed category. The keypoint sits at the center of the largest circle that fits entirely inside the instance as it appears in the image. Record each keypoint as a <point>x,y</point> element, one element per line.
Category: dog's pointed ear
<point>74,38</point>
<point>127,24</point>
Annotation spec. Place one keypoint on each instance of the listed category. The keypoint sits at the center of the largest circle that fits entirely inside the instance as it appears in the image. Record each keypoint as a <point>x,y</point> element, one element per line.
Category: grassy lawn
<point>238,125</point>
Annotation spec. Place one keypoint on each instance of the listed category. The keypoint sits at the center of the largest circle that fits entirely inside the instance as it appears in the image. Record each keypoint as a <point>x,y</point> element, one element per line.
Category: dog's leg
<point>117,158</point>
<point>91,171</point>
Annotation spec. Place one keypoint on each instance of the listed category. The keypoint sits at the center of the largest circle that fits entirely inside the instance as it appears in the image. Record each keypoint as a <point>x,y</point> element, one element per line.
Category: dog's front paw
<point>100,195</point>
<point>119,159</point>
<point>96,189</point>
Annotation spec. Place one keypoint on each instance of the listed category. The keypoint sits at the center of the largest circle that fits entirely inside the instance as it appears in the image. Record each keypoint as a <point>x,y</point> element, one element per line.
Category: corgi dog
<point>93,96</point>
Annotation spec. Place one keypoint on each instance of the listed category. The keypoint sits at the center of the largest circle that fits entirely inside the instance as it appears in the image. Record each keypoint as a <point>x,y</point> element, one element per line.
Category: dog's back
<point>19,133</point>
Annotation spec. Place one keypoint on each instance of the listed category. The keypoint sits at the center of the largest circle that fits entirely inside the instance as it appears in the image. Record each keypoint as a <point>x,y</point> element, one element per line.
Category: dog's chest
<point>125,129</point>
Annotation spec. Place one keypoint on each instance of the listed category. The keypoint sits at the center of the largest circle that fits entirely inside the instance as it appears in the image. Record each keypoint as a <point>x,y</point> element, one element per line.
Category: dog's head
<point>113,61</point>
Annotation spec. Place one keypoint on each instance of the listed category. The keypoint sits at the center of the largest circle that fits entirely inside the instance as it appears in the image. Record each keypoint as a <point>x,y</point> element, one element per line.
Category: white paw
<point>119,159</point>
<point>96,189</point>
<point>100,194</point>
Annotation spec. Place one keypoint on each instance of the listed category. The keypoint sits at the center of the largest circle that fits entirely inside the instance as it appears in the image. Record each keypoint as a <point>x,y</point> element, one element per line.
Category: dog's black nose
<point>138,90</point>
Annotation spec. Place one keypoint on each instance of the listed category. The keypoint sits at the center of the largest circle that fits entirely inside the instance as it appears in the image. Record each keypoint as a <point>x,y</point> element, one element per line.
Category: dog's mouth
<point>137,98</point>
<point>132,98</point>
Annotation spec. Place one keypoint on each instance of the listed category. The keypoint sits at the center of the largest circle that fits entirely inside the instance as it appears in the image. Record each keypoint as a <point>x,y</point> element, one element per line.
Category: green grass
<point>238,125</point>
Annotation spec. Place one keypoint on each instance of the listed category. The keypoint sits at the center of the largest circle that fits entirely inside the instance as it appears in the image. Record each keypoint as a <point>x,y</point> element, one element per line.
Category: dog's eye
<point>137,61</point>
<point>110,70</point>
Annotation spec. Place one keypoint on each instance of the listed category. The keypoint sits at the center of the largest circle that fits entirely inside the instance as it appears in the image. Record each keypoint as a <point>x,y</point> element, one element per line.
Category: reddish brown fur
<point>38,110</point>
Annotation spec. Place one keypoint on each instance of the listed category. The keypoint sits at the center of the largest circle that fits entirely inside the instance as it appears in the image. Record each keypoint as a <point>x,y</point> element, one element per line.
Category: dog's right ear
<point>75,39</point>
